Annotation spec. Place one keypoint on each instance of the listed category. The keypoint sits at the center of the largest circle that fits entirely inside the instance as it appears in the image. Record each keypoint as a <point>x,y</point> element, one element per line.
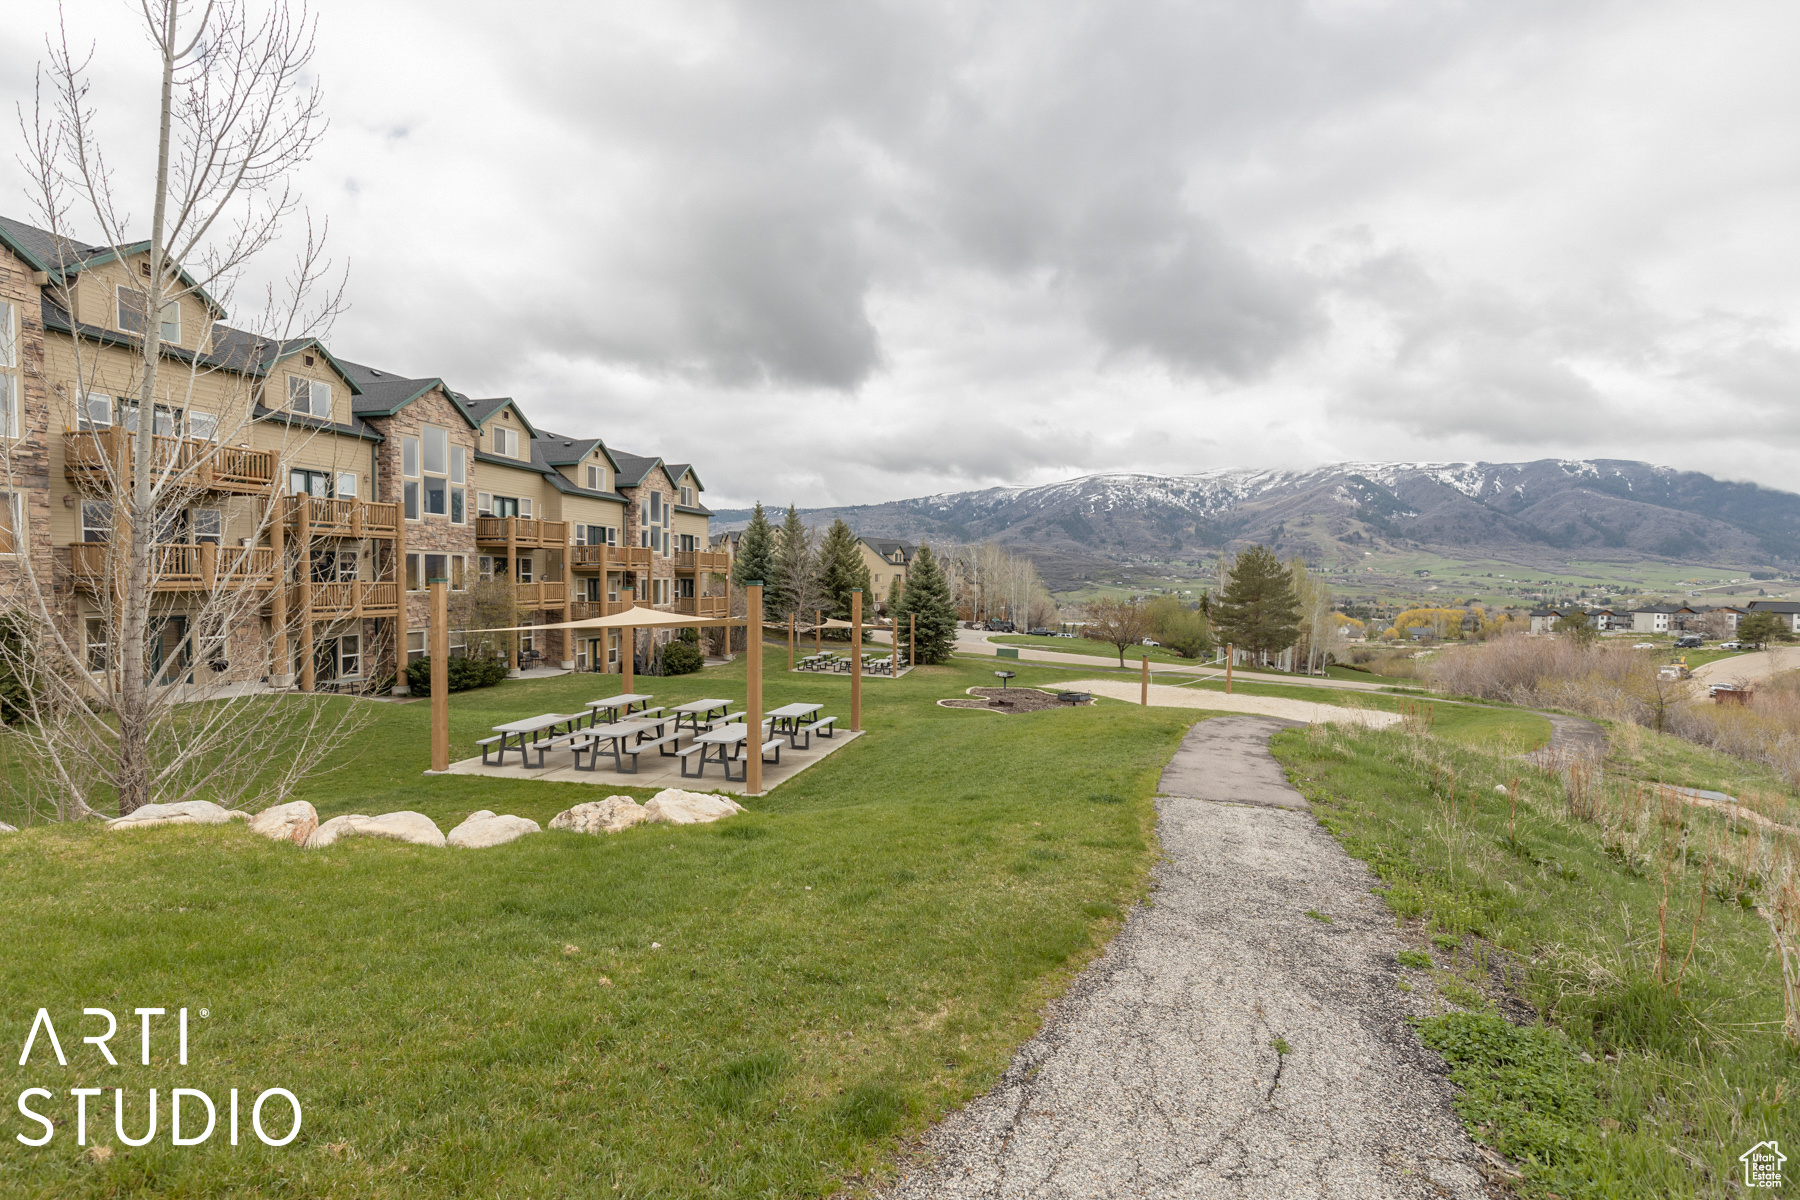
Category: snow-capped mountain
<point>1548,510</point>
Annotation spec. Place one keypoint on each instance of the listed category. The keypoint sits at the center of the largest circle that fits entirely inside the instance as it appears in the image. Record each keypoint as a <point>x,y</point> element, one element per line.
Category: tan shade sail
<point>631,618</point>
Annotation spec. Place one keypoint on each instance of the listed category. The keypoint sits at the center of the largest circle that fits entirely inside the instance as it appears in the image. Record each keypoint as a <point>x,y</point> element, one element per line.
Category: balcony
<point>97,457</point>
<point>610,558</point>
<point>587,610</point>
<point>716,561</point>
<point>342,518</point>
<point>180,567</point>
<point>521,531</point>
<point>703,606</point>
<point>548,594</point>
<point>345,598</point>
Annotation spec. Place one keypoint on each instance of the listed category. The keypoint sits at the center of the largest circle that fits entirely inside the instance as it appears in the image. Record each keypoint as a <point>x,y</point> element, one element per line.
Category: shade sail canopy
<point>827,623</point>
<point>631,618</point>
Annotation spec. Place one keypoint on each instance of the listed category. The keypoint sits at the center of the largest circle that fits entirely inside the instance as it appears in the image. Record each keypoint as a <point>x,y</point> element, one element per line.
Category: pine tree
<point>927,599</point>
<point>841,569</point>
<point>1257,610</point>
<point>755,560</point>
<point>795,568</point>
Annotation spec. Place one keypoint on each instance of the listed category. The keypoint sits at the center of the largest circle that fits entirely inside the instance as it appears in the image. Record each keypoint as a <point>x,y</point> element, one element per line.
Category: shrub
<point>465,674</point>
<point>682,658</point>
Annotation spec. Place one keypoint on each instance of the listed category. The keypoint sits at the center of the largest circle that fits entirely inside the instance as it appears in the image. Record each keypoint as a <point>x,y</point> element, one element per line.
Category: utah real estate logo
<point>1762,1165</point>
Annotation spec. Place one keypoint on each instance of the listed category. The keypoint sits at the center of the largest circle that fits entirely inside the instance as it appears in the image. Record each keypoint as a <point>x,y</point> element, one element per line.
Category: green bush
<point>681,658</point>
<point>466,674</point>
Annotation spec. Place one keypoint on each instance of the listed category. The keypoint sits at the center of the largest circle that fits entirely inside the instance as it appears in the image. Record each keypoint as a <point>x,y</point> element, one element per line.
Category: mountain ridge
<point>1536,513</point>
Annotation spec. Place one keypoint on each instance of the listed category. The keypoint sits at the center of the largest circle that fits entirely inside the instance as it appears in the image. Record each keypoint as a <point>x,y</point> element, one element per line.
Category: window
<point>437,496</point>
<point>421,569</point>
<point>303,481</point>
<point>96,644</point>
<point>437,450</point>
<point>437,566</point>
<point>484,504</point>
<point>9,406</point>
<point>687,496</point>
<point>309,396</point>
<point>457,516</point>
<point>204,426</point>
<point>596,478</point>
<point>346,485</point>
<point>9,337</point>
<point>415,580</point>
<point>506,442</point>
<point>524,568</point>
<point>459,475</point>
<point>409,457</point>
<point>11,524</point>
<point>338,658</point>
<point>415,644</point>
<point>208,525</point>
<point>684,587</point>
<point>459,465</point>
<point>95,411</point>
<point>96,520</point>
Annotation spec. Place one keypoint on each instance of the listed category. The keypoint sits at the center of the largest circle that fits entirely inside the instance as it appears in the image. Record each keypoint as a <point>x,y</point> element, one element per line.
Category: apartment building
<point>332,489</point>
<point>887,560</point>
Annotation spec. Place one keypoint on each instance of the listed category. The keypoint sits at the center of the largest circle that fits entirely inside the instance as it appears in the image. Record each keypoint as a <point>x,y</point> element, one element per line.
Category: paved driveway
<point>1226,1044</point>
<point>1750,668</point>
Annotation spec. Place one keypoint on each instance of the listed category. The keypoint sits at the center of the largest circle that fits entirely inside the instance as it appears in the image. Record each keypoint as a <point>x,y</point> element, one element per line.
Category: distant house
<point>1732,614</point>
<point>887,560</point>
<point>1544,619</point>
<point>1656,618</point>
<point>1787,610</point>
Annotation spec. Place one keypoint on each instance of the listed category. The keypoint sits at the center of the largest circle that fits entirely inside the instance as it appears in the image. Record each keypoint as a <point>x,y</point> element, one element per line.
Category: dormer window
<point>131,315</point>
<point>310,397</point>
<point>506,442</point>
<point>687,497</point>
<point>596,478</point>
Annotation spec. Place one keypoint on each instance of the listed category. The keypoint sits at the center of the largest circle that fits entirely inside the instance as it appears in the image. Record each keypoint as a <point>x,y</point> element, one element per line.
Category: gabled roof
<point>677,470</point>
<point>384,393</point>
<point>257,355</point>
<point>62,257</point>
<point>634,467</point>
<point>481,411</point>
<point>1774,606</point>
<point>556,450</point>
<point>885,547</point>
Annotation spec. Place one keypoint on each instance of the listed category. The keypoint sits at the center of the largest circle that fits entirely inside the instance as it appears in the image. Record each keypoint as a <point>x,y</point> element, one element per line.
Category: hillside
<point>1537,513</point>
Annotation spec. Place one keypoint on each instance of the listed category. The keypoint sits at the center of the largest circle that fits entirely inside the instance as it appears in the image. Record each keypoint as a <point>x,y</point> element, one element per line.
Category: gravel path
<point>1173,696</point>
<point>1226,1044</point>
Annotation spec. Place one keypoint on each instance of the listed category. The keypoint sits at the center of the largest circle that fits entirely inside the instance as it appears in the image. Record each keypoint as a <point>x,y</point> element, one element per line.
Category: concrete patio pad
<point>657,771</point>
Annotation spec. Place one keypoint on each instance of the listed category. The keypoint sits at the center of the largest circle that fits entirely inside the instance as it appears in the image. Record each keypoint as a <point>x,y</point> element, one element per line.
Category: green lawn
<point>836,968</point>
<point>1633,1085</point>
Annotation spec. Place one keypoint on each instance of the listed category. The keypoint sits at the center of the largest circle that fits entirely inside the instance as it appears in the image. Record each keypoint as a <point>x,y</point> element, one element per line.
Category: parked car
<point>1040,631</point>
<point>1688,641</point>
<point>1734,645</point>
<point>1149,642</point>
<point>1067,635</point>
<point>1000,627</point>
<point>1645,646</point>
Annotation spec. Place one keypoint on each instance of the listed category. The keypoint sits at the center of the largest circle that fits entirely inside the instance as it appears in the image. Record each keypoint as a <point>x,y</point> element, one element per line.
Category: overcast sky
<point>844,252</point>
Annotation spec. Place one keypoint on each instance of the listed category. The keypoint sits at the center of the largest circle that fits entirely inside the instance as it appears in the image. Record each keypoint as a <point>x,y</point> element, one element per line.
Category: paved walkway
<point>1160,1074</point>
<point>1749,668</point>
<point>1171,696</point>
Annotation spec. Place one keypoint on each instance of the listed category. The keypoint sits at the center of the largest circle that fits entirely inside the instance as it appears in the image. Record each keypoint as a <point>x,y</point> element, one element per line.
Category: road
<point>1750,668</point>
<point>1226,1044</point>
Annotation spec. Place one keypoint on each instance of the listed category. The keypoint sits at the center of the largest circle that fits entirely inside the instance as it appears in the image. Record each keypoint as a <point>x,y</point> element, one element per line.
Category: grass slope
<point>836,968</point>
<point>1630,1087</point>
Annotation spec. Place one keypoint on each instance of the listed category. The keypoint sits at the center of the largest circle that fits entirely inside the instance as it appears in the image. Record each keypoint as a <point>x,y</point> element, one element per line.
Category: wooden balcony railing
<point>343,518</point>
<point>587,610</point>
<point>101,456</point>
<point>634,558</point>
<point>345,598</point>
<point>179,567</point>
<point>716,561</point>
<point>525,531</point>
<point>594,558</point>
<point>703,606</point>
<point>547,594</point>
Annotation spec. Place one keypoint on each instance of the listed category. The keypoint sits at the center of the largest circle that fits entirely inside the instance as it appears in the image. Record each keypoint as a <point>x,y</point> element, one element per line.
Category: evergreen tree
<point>927,599</point>
<point>1257,610</point>
<point>841,569</point>
<point>896,596</point>
<point>756,550</point>
<point>795,569</point>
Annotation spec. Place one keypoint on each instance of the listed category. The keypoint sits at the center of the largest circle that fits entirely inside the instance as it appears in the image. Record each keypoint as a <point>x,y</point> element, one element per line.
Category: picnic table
<point>699,711</point>
<point>787,718</point>
<point>724,737</point>
<point>622,739</point>
<point>532,727</point>
<point>612,705</point>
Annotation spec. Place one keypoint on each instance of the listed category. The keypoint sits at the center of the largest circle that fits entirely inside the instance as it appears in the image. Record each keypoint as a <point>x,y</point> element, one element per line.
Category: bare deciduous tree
<point>128,705</point>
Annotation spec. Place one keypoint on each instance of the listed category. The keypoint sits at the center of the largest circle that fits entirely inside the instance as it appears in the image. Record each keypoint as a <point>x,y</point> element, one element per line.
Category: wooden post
<point>627,656</point>
<point>753,686</point>
<point>1144,686</point>
<point>440,675</point>
<point>894,647</point>
<point>512,588</point>
<point>818,631</point>
<point>790,641</point>
<point>304,536</point>
<point>1229,655</point>
<point>281,665</point>
<point>856,659</point>
<point>912,640</point>
<point>568,614</point>
<point>401,688</point>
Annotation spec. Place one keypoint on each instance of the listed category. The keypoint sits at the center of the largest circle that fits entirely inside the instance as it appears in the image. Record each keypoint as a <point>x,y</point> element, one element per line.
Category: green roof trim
<point>120,253</point>
<point>313,343</point>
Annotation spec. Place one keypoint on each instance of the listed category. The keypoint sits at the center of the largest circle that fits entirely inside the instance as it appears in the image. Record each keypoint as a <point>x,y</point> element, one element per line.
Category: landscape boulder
<point>413,827</point>
<point>672,806</point>
<point>482,829</point>
<point>291,822</point>
<point>188,812</point>
<point>601,816</point>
